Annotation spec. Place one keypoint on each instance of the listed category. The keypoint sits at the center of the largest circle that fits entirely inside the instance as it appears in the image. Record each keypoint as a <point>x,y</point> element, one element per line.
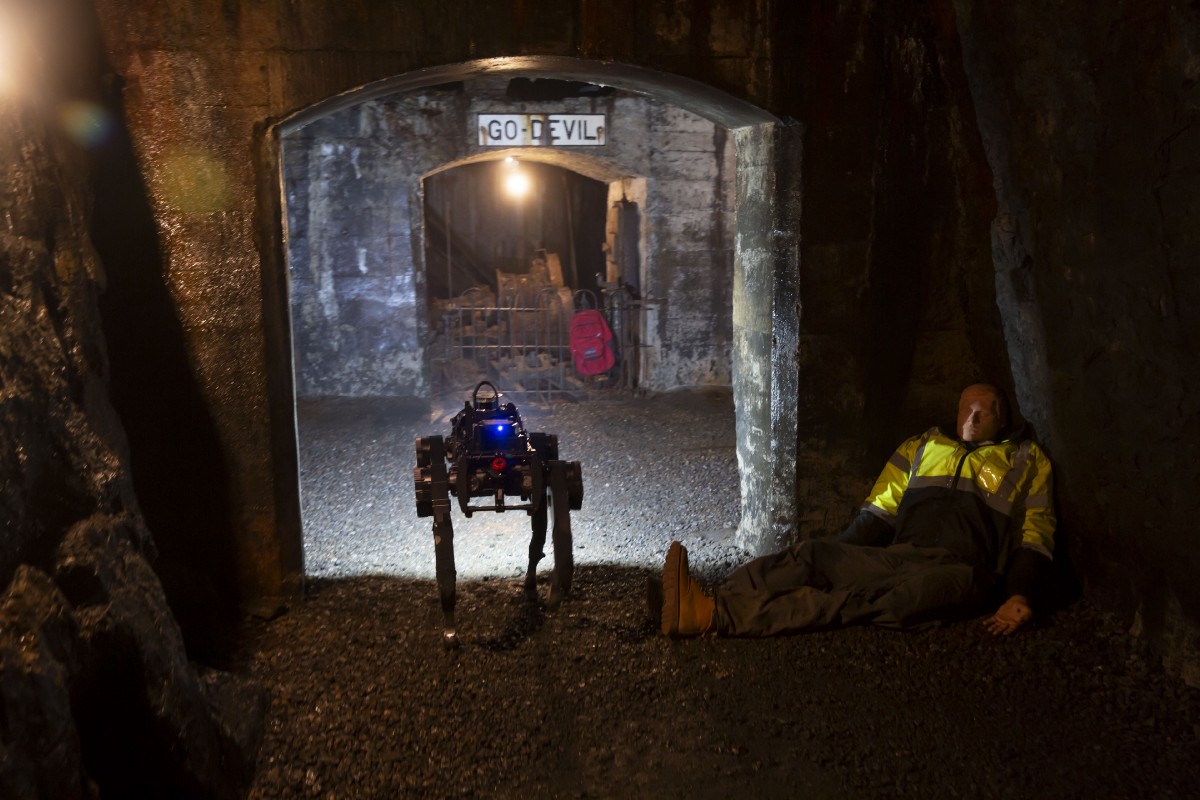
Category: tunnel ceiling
<point>699,98</point>
<point>596,168</point>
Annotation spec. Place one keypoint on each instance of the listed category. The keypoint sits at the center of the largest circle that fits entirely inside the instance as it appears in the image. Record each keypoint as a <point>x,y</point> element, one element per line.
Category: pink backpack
<point>591,342</point>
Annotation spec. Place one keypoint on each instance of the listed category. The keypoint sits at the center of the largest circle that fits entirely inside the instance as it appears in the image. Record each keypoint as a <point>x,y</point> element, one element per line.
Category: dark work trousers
<point>819,584</point>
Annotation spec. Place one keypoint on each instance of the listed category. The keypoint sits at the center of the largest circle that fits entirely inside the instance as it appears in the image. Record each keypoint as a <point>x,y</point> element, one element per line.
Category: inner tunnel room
<point>381,381</point>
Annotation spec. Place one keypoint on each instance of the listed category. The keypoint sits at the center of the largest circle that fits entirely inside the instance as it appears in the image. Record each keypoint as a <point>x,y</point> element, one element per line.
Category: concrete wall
<point>358,317</point>
<point>354,217</point>
<point>766,322</point>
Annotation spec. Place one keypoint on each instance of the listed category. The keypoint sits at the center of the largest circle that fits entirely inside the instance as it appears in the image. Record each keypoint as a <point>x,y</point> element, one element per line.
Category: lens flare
<point>86,123</point>
<point>8,55</point>
<point>195,182</point>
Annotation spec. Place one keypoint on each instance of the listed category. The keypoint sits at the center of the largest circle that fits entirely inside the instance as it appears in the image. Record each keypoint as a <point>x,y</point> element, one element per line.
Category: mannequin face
<point>980,416</point>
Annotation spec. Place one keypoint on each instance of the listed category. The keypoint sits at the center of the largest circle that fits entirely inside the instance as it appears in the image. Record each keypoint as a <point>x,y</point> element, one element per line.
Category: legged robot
<point>489,455</point>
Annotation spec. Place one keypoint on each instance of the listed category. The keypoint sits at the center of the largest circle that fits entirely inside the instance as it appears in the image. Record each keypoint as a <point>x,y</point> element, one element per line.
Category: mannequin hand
<point>1012,615</point>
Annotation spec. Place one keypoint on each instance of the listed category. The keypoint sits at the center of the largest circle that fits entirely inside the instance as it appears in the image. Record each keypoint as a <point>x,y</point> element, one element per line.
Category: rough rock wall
<point>97,696</point>
<point>896,278</point>
<point>1083,122</point>
<point>1091,117</point>
<point>205,403</point>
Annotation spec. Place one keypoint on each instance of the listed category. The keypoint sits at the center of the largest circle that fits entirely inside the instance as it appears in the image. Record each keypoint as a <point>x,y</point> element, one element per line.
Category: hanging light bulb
<point>516,183</point>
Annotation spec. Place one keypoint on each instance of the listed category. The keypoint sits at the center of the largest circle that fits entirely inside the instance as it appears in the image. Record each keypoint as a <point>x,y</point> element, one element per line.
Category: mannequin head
<point>981,412</point>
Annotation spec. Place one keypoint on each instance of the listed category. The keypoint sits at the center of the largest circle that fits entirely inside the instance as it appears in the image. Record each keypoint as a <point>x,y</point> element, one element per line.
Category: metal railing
<point>521,342</point>
<point>523,348</point>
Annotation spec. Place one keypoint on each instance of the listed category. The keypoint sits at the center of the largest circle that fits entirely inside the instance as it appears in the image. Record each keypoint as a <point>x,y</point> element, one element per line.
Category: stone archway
<point>765,281</point>
<point>572,282</point>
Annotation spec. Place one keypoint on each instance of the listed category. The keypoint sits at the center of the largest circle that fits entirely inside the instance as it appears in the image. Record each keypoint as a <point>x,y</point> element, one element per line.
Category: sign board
<point>541,130</point>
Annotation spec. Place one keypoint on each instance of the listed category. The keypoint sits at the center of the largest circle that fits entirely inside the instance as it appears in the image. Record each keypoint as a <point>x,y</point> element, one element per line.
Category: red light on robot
<point>498,464</point>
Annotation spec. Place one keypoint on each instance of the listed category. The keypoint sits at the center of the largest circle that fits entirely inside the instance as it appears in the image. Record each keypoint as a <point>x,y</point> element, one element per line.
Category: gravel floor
<point>589,701</point>
<point>653,470</point>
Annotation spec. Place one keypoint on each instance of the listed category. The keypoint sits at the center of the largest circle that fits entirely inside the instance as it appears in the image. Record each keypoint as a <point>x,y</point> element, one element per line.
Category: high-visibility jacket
<point>988,502</point>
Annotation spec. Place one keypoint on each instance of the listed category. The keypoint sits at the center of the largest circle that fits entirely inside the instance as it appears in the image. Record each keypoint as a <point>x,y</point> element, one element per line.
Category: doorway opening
<point>500,216</point>
<point>512,250</point>
<point>365,273</point>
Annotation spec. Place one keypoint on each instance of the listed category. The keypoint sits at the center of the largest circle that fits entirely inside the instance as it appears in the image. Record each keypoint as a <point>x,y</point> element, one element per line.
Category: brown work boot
<point>686,609</point>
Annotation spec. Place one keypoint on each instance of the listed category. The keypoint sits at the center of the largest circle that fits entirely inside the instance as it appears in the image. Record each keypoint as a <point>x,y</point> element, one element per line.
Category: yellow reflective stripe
<point>995,502</point>
<point>1017,471</point>
<point>1037,528</point>
<point>1038,523</point>
<point>1022,494</point>
<point>881,513</point>
<point>932,481</point>
<point>1040,482</point>
<point>916,459</point>
<point>1038,501</point>
<point>892,482</point>
<point>938,458</point>
<point>889,489</point>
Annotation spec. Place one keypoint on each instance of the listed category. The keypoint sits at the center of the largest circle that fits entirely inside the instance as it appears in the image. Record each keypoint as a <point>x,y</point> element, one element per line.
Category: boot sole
<point>672,583</point>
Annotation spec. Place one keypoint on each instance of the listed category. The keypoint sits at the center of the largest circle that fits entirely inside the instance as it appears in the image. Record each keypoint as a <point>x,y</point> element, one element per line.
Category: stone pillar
<point>766,330</point>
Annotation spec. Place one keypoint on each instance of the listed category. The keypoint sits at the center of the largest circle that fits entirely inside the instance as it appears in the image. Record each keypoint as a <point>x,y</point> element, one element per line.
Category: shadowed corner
<point>179,471</point>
